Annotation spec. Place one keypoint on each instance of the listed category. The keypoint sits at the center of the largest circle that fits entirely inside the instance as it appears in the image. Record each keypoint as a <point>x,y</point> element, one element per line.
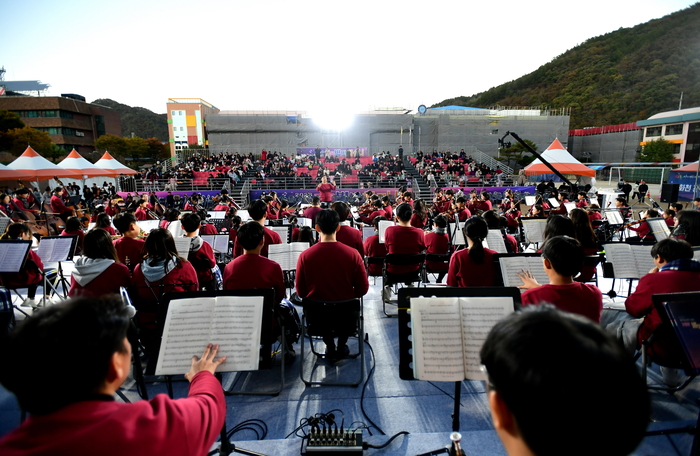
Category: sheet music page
<point>534,229</point>
<point>512,265</point>
<point>187,332</point>
<point>457,234</point>
<point>642,259</point>
<point>182,244</point>
<point>244,215</point>
<point>367,231</point>
<point>4,221</point>
<point>54,249</point>
<point>280,254</point>
<point>148,225</point>
<point>12,255</point>
<point>530,200</point>
<point>593,200</point>
<point>569,206</point>
<point>553,202</point>
<point>217,214</point>
<point>622,259</point>
<point>659,228</point>
<point>236,326</point>
<point>176,229</point>
<point>283,231</point>
<point>614,217</point>
<point>383,225</point>
<point>478,315</point>
<point>295,251</point>
<point>437,339</point>
<point>91,225</point>
<point>220,243</point>
<point>495,241</point>
<point>303,221</point>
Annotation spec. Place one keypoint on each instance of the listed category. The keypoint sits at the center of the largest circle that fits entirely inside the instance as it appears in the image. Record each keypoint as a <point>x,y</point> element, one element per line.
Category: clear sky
<point>311,56</point>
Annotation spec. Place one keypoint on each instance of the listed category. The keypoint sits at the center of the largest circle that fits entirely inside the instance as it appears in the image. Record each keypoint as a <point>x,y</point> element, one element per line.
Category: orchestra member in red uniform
<point>257,211</point>
<point>419,219</point>
<point>98,271</point>
<point>129,246</point>
<point>312,212</point>
<point>31,274</point>
<point>462,213</point>
<point>582,202</point>
<point>473,267</point>
<point>373,248</point>
<point>643,229</point>
<point>201,255</point>
<point>437,242</point>
<point>75,228</point>
<point>58,207</point>
<point>562,259</point>
<point>141,213</point>
<point>378,212</point>
<point>352,237</point>
<point>403,238</point>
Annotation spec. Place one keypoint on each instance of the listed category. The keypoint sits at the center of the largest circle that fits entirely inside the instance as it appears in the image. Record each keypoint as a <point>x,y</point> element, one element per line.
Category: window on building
<point>694,127</point>
<point>676,148</point>
<point>676,129</point>
<point>100,126</point>
<point>173,113</point>
<point>653,131</point>
<point>66,114</point>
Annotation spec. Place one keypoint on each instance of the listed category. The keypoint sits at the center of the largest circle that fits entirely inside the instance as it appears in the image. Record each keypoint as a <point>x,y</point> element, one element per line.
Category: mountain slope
<point>623,76</point>
<point>143,122</point>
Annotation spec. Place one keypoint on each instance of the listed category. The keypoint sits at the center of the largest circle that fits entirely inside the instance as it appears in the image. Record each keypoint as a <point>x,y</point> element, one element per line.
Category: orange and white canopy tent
<point>11,174</point>
<point>109,163</point>
<point>561,160</point>
<point>692,167</point>
<point>76,162</point>
<point>38,168</point>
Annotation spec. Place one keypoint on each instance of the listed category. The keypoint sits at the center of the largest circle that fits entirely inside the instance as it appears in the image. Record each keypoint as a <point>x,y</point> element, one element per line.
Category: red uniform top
<point>186,427</point>
<point>369,219</point>
<point>221,207</point>
<point>403,239</point>
<point>20,205</point>
<point>115,276</point>
<point>464,214</point>
<point>374,249</point>
<point>311,213</point>
<point>109,229</point>
<point>559,210</point>
<point>203,260</point>
<point>57,205</point>
<point>164,224</point>
<point>576,297</point>
<point>141,214</point>
<point>208,228</point>
<point>639,303</point>
<point>109,210</point>
<point>271,237</point>
<point>417,222</point>
<point>594,215</point>
<point>271,213</point>
<point>331,271</point>
<point>129,250</point>
<point>643,231</point>
<point>352,238</point>
<point>28,275</point>
<point>438,244</point>
<point>182,278</point>
<point>81,238</point>
<point>581,203</point>
<point>670,222</point>
<point>254,271</point>
<point>326,191</point>
<point>464,272</point>
<point>510,239</point>
<point>389,211</point>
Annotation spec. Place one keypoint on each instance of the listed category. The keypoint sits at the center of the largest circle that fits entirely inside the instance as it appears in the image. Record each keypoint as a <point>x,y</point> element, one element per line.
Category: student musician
<point>669,216</point>
<point>403,238</point>
<point>104,222</point>
<point>75,228</point>
<point>561,210</point>
<point>473,267</point>
<point>494,221</point>
<point>485,202</point>
<point>621,205</point>
<point>142,212</point>
<point>171,215</point>
<point>257,211</point>
<point>377,212</point>
<point>58,207</point>
<point>373,248</point>
<point>272,212</point>
<point>98,271</point>
<point>594,213</point>
<point>582,202</point>
<point>312,212</point>
<point>643,229</point>
<point>205,227</point>
<point>461,211</point>
<point>129,247</point>
<point>407,198</point>
<point>387,207</point>
<point>419,219</point>
<point>562,259</point>
<point>201,255</point>
<point>437,242</point>
<point>31,274</point>
<point>352,237</point>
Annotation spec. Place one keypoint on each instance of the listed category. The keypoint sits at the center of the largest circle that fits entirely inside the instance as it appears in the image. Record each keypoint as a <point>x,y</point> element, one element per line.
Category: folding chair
<point>444,259</point>
<point>590,261</point>
<point>389,279</point>
<point>374,261</point>
<point>332,319</point>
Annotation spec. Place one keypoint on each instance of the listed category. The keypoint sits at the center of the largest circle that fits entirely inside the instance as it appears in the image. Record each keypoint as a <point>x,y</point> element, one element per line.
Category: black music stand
<point>405,343</point>
<point>58,257</point>
<point>17,250</point>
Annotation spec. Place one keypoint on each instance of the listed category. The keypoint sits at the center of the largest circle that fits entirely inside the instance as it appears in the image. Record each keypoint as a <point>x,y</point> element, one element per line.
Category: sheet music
<point>233,322</point>
<point>512,265</point>
<point>243,214</point>
<point>448,334</point>
<point>4,222</point>
<point>553,202</point>
<point>457,234</point>
<point>642,259</point>
<point>218,242</point>
<point>55,248</point>
<point>286,255</point>
<point>569,206</point>
<point>383,225</point>
<point>12,255</point>
<point>623,260</point>
<point>148,225</point>
<point>304,221</point>
<point>593,200</point>
<point>367,231</point>
<point>91,225</point>
<point>530,200</point>
<point>659,228</point>
<point>437,339</point>
<point>614,217</point>
<point>176,229</point>
<point>534,229</point>
<point>182,245</point>
<point>494,240</point>
<point>217,214</point>
<point>478,316</point>
<point>696,253</point>
<point>283,231</point>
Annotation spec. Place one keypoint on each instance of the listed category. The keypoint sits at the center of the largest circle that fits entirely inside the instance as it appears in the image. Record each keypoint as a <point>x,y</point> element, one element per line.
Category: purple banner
<point>209,193</point>
<point>340,152</point>
<point>304,196</point>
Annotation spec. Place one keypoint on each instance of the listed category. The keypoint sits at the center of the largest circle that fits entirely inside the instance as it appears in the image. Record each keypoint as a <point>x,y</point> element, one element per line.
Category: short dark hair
<point>565,253</point>
<point>376,221</point>
<point>677,206</point>
<point>672,249</point>
<point>440,221</point>
<point>342,209</point>
<point>554,372</point>
<point>73,224</point>
<point>123,221</point>
<point>559,225</point>
<point>404,212</point>
<point>250,234</point>
<point>476,229</point>
<point>47,341</point>
<point>328,221</point>
<point>257,209</point>
<point>190,222</point>
<point>315,200</point>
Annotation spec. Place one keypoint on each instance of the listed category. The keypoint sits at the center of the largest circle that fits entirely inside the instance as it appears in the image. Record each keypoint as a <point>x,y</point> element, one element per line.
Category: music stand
<point>13,256</point>
<point>57,249</point>
<point>405,332</point>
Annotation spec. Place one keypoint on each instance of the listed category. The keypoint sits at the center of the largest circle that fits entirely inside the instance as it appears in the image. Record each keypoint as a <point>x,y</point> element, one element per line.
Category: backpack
<point>289,317</point>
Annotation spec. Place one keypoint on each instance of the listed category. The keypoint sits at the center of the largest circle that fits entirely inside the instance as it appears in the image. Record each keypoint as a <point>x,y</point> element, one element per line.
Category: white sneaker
<point>670,376</point>
<point>386,293</point>
<point>30,302</point>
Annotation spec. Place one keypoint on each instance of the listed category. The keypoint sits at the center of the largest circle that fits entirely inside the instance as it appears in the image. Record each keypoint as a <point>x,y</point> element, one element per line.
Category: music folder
<point>13,254</point>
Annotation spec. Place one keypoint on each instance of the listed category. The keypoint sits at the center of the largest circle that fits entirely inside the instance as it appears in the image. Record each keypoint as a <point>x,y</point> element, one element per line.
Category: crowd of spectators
<point>448,169</point>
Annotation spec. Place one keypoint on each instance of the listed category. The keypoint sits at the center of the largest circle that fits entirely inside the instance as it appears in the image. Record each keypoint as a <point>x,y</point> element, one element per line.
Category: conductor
<point>326,192</point>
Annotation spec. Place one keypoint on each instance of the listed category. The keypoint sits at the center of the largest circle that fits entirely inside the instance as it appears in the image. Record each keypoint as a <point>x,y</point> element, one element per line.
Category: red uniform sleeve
<point>452,279</point>
<point>302,291</point>
<point>188,277</point>
<point>639,303</point>
<point>280,288</point>
<point>361,283</point>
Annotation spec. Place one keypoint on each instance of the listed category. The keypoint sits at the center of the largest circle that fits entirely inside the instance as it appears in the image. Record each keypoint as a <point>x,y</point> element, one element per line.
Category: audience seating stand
<point>391,279</point>
<point>332,319</point>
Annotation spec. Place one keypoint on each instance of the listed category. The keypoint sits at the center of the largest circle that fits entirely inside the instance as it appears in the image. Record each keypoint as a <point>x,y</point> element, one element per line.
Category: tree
<point>9,120</point>
<point>657,151</point>
<point>156,149</point>
<point>113,144</point>
<point>515,153</point>
<point>27,136</point>
<point>136,147</point>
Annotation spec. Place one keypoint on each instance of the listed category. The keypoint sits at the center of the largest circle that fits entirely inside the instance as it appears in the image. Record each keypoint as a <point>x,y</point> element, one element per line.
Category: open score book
<point>448,333</point>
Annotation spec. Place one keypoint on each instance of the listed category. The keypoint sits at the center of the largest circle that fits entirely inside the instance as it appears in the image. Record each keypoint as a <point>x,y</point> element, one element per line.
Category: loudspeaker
<point>669,193</point>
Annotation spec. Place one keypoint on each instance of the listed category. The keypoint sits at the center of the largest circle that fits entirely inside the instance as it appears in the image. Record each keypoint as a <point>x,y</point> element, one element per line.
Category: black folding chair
<point>394,279</point>
<point>444,259</point>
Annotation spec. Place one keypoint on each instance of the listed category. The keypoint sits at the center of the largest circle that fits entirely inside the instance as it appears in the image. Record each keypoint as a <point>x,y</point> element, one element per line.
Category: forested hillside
<point>623,76</point>
<point>143,122</point>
